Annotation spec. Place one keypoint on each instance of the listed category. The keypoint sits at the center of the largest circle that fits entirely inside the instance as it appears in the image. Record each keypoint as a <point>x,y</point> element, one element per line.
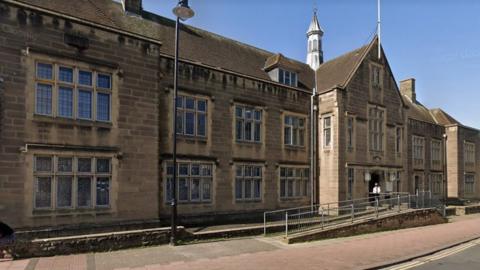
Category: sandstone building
<point>86,110</point>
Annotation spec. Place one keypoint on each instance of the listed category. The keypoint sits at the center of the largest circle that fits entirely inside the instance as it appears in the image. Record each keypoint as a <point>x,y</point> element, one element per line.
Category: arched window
<point>315,45</point>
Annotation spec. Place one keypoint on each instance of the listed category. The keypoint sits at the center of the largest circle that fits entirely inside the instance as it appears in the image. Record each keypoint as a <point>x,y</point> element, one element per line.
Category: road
<point>464,257</point>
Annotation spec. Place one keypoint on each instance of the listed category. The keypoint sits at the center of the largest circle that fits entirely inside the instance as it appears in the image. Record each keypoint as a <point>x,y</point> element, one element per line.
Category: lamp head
<point>183,11</point>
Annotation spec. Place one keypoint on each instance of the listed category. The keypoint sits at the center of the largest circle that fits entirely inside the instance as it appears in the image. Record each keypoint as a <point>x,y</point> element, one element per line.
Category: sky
<point>437,42</point>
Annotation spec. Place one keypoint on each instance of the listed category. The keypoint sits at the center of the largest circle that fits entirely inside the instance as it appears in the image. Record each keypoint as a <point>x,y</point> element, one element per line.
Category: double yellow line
<point>436,256</point>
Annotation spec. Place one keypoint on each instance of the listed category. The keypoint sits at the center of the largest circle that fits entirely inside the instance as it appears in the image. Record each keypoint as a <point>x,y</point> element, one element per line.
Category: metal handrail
<point>281,212</point>
<point>320,217</point>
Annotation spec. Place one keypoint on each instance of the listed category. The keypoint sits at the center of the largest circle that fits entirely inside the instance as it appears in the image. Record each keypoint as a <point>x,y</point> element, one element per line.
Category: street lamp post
<point>445,184</point>
<point>182,11</point>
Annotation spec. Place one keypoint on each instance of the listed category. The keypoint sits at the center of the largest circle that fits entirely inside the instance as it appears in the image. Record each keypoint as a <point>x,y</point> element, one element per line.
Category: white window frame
<point>418,150</point>
<point>76,87</point>
<point>294,128</point>
<point>436,153</point>
<point>327,122</point>
<point>240,174</point>
<point>255,123</point>
<point>469,181</point>
<point>299,176</point>
<point>469,153</point>
<point>292,77</point>
<point>205,180</point>
<point>376,128</point>
<point>54,175</point>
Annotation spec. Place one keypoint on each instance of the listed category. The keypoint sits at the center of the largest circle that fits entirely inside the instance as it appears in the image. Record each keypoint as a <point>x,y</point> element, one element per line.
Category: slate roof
<point>337,72</point>
<point>443,118</point>
<point>196,44</point>
<point>418,111</point>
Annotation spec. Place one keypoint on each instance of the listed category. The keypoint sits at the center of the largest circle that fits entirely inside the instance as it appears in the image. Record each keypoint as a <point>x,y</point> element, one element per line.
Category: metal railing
<point>361,209</point>
<point>274,220</point>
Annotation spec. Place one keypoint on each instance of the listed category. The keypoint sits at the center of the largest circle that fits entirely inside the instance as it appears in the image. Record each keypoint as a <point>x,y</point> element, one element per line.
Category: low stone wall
<point>399,221</point>
<point>93,243</point>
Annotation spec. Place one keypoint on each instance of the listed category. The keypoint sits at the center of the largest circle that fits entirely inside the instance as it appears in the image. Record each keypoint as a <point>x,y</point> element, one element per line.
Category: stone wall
<point>93,243</point>
<point>399,221</point>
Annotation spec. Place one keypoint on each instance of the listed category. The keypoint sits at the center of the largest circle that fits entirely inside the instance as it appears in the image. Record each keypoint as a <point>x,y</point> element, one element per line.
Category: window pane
<point>258,115</point>
<point>206,170</point>
<point>238,189</point>
<point>168,190</point>
<point>195,169</point>
<point>64,164</point>
<point>189,103</point>
<point>202,105</point>
<point>248,114</point>
<point>179,102</point>
<point>103,107</point>
<point>183,189</point>
<point>298,188</point>
<point>239,130</point>
<point>85,77</point>
<point>257,132</point>
<point>103,165</point>
<point>43,164</point>
<point>190,123</point>
<point>201,124</point>
<point>84,104</point>
<point>301,137</point>
<point>84,192</point>
<point>282,187</point>
<point>206,191</point>
<point>65,74</point>
<point>65,102</point>
<point>44,71</point>
<point>239,112</point>
<point>280,76</point>
<point>183,169</point>
<point>290,188</point>
<point>43,192</point>
<point>104,81</point>
<point>180,122</point>
<point>257,189</point>
<point>84,164</point>
<point>44,99</point>
<point>103,191</point>
<point>248,131</point>
<point>248,189</point>
<point>287,136</point>
<point>64,191</point>
<point>195,190</point>
<point>294,79</point>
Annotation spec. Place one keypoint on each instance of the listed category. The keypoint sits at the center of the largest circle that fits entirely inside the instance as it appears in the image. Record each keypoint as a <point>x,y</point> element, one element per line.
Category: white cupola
<point>314,35</point>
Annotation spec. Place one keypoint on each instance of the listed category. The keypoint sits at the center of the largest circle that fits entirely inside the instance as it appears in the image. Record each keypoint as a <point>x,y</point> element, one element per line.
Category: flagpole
<point>379,30</point>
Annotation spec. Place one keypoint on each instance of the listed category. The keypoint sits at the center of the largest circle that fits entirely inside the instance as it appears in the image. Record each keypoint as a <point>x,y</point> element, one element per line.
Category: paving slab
<point>358,252</point>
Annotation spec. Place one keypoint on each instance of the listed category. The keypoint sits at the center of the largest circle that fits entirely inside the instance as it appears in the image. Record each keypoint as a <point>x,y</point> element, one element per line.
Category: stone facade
<point>92,85</point>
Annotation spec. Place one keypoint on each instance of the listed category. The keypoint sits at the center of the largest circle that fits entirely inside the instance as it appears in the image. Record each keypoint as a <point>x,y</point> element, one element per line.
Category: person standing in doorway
<point>376,191</point>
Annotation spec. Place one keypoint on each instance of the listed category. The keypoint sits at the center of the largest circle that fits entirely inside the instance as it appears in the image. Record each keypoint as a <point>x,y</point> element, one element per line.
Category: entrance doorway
<point>375,178</point>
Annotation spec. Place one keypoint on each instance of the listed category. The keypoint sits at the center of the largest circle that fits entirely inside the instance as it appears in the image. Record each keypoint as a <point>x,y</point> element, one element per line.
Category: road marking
<point>434,257</point>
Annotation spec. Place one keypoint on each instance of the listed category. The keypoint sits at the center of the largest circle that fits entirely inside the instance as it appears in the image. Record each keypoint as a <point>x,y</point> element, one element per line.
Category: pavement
<point>358,252</point>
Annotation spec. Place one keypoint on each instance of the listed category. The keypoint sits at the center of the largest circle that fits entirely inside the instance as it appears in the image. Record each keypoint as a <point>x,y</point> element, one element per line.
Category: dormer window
<point>287,77</point>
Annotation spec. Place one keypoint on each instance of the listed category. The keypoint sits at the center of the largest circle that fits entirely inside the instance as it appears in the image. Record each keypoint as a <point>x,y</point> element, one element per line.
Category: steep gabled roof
<point>443,118</point>
<point>338,71</point>
<point>418,111</point>
<point>196,45</point>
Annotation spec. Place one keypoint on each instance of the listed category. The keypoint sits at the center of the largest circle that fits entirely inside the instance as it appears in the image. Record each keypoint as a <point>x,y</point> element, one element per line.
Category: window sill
<point>191,138</point>
<point>249,143</point>
<point>294,147</point>
<point>191,203</point>
<point>71,211</point>
<point>70,121</point>
<point>294,199</point>
<point>249,201</point>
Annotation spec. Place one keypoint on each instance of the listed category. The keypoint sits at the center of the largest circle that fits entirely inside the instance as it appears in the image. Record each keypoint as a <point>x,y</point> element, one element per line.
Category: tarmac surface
<point>358,252</point>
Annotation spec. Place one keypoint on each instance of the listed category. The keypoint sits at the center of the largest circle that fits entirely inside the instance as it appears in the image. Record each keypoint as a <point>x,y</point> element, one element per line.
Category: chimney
<point>132,6</point>
<point>407,87</point>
